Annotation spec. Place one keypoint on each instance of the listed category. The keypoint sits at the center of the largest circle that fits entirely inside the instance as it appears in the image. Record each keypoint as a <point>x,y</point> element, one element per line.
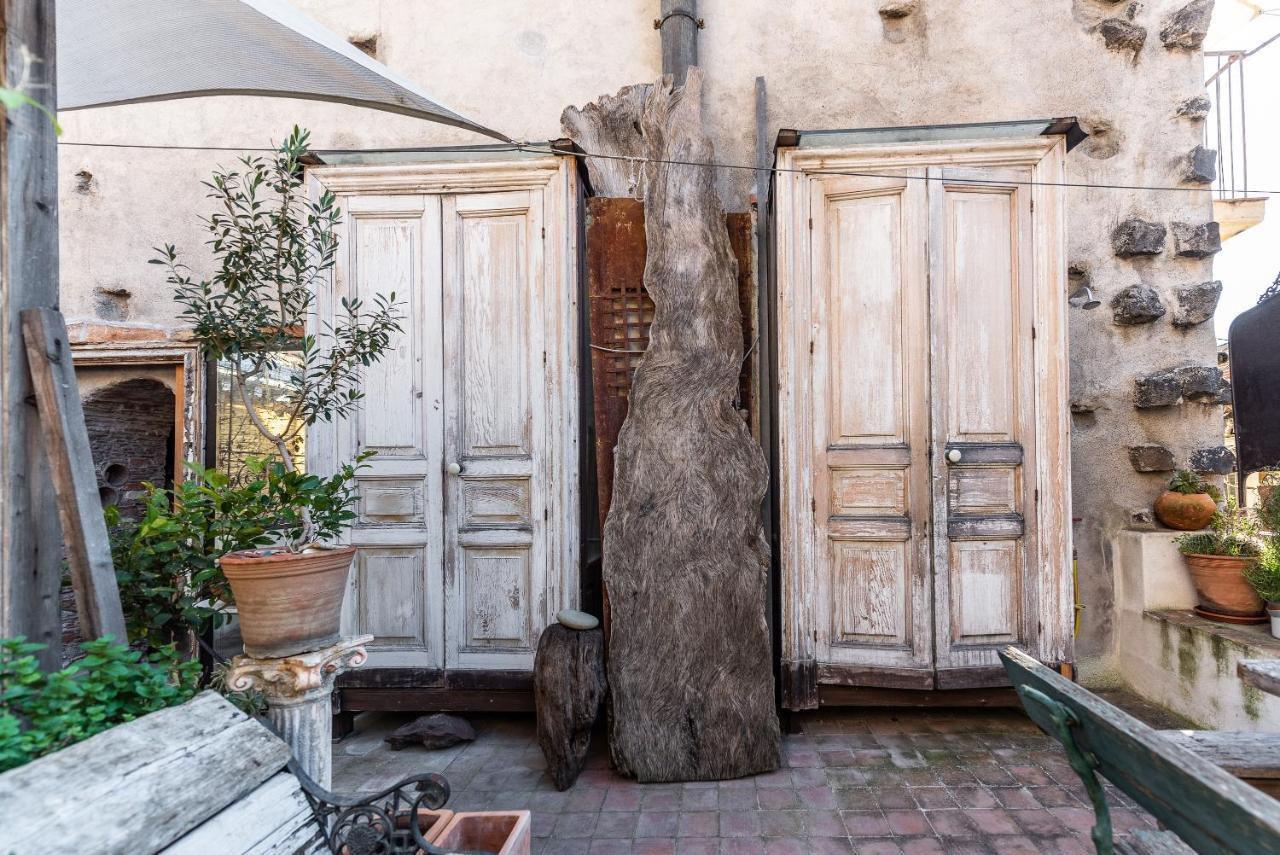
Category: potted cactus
<point>1219,560</point>
<point>1189,503</point>
<point>272,246</point>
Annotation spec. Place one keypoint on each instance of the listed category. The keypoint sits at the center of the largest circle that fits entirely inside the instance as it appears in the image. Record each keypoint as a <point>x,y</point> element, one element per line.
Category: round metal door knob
<point>454,469</point>
<point>954,455</point>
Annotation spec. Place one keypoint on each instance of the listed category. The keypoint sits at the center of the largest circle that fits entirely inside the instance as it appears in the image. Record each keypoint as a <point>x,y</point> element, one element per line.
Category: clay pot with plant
<point>1220,561</point>
<point>272,247</point>
<point>1189,503</point>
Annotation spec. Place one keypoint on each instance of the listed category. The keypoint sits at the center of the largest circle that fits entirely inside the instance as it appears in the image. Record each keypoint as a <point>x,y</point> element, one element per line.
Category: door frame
<point>556,179</point>
<point>1045,157</point>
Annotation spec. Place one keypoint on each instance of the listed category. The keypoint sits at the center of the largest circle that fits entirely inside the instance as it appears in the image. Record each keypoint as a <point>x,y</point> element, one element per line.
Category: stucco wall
<point>515,65</point>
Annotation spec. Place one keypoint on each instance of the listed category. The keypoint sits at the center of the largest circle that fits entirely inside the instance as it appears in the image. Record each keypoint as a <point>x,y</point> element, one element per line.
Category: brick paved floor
<point>855,781</point>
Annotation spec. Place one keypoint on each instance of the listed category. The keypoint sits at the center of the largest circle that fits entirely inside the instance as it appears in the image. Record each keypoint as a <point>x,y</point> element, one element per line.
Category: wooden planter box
<point>500,832</point>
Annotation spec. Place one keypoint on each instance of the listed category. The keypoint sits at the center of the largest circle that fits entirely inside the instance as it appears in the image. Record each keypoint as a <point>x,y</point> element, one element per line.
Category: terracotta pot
<point>1185,511</point>
<point>1221,586</point>
<point>500,832</point>
<point>288,603</point>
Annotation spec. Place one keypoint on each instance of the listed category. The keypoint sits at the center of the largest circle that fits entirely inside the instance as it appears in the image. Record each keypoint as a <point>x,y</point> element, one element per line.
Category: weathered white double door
<point>923,435</point>
<point>467,526</point>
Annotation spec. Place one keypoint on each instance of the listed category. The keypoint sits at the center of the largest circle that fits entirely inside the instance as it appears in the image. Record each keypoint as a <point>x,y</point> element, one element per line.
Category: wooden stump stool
<point>569,686</point>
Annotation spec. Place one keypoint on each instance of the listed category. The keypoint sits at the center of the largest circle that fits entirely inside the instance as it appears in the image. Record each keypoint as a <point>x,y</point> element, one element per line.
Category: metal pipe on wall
<point>679,25</point>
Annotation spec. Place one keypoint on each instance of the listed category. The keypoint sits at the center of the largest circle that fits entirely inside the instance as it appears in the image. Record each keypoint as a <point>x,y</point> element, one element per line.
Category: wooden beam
<point>67,445</point>
<point>30,557</point>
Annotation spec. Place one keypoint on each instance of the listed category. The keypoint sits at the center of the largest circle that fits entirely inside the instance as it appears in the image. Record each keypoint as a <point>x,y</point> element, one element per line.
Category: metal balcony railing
<point>1226,127</point>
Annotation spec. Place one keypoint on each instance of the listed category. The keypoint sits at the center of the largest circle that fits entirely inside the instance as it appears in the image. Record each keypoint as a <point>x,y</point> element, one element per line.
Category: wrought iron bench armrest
<point>384,822</point>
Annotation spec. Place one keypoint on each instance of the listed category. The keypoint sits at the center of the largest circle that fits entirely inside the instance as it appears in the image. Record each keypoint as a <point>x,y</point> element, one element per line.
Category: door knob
<point>954,455</point>
<point>454,468</point>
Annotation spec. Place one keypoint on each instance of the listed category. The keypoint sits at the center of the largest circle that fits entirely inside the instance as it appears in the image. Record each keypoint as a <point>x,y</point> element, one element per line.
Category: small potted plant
<point>1189,503</point>
<point>272,247</point>
<point>1218,560</point>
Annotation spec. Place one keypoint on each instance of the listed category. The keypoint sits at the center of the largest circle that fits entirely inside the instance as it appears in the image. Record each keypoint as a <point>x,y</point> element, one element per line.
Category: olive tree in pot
<point>272,247</point>
<point>1219,560</point>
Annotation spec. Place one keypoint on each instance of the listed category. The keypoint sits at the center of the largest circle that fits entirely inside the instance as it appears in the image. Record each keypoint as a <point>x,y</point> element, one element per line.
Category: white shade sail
<point>130,51</point>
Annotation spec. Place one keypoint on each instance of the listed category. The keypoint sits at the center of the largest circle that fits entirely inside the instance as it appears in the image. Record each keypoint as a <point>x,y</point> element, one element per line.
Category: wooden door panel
<point>869,357</point>
<point>496,573</point>
<point>983,405</point>
<point>391,244</point>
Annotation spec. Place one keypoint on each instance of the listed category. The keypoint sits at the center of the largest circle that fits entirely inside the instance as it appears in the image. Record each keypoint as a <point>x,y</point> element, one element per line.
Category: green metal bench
<point>1200,804</point>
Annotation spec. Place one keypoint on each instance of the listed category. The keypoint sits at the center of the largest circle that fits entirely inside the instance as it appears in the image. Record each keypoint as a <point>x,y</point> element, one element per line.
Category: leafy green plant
<point>43,712</point>
<point>273,246</point>
<point>1264,576</point>
<point>167,562</point>
<point>1187,482</point>
<point>1232,532</point>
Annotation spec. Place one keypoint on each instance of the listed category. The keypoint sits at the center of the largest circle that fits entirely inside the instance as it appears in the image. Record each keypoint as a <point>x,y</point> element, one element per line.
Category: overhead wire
<point>539,149</point>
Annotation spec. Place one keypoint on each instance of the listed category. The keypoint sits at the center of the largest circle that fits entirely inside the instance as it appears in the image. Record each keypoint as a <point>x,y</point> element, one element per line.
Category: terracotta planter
<point>500,832</point>
<point>288,604</point>
<point>1224,594</point>
<point>430,822</point>
<point>1185,511</point>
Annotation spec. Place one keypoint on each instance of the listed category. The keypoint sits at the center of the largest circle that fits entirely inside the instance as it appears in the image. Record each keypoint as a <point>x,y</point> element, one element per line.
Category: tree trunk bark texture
<point>568,687</point>
<point>685,558</point>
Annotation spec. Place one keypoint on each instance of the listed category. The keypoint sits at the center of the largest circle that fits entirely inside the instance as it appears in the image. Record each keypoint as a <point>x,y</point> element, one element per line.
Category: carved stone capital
<point>297,678</point>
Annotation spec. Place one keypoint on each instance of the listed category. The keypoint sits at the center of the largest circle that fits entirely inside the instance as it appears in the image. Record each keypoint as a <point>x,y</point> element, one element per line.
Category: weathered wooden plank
<point>66,441</point>
<point>607,128</point>
<point>272,820</point>
<point>30,563</point>
<point>138,787</point>
<point>1204,805</point>
<point>689,665</point>
<point>992,526</point>
<point>1245,755</point>
<point>1262,674</point>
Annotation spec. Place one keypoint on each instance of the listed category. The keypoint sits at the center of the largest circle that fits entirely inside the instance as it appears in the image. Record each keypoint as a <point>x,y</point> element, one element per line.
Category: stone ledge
<point>1254,639</point>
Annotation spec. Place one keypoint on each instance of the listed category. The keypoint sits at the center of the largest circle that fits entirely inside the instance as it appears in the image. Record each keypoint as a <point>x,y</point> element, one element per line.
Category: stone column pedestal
<point>297,690</point>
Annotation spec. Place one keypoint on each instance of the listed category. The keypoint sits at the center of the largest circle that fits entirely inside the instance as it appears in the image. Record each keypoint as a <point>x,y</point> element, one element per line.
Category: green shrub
<point>41,712</point>
<point>1265,575</point>
<point>167,563</point>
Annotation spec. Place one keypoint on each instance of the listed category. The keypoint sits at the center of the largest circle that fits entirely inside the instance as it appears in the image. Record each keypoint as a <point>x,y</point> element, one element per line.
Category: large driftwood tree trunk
<point>685,559</point>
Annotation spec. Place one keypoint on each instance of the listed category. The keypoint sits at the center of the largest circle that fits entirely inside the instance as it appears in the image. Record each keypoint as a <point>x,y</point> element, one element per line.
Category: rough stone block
<point>432,732</point>
<point>1195,108</point>
<point>1121,35</point>
<point>1163,389</point>
<point>1187,28</point>
<point>1152,458</point>
<point>1218,460</point>
<point>1200,166</point>
<point>1136,304</point>
<point>1196,303</point>
<point>898,8</point>
<point>1195,241</point>
<point>1135,237</point>
<point>1200,383</point>
<point>569,686</point>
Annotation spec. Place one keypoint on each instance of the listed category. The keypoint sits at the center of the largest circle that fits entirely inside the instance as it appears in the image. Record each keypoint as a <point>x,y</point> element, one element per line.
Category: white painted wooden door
<point>912,437</point>
<point>982,391</point>
<point>468,516</point>
<point>870,354</point>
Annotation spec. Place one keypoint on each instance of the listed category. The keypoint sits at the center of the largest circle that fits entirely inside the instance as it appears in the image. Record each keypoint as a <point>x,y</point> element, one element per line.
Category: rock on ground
<point>433,732</point>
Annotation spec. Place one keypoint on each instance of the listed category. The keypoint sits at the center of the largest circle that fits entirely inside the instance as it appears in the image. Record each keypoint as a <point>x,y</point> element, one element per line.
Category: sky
<point>1249,262</point>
